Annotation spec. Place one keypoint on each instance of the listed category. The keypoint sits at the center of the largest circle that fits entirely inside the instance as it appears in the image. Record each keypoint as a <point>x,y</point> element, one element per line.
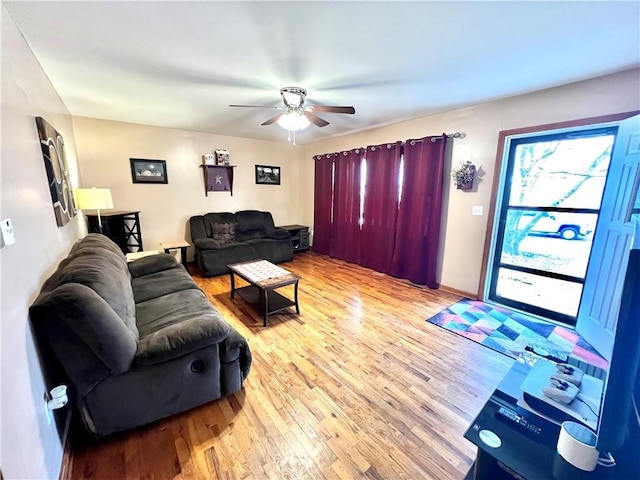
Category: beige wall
<point>30,448</point>
<point>462,249</point>
<point>105,147</point>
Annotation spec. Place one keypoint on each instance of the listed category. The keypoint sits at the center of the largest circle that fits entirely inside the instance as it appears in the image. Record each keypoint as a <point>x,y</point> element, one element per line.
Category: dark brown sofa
<point>221,239</point>
<point>139,341</point>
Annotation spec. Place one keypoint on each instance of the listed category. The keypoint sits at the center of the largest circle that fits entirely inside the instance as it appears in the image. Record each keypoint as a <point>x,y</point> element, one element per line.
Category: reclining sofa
<point>221,239</point>
<point>138,341</point>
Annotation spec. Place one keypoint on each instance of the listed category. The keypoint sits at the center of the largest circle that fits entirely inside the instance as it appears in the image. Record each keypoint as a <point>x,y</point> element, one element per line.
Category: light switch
<point>476,210</point>
<point>7,232</point>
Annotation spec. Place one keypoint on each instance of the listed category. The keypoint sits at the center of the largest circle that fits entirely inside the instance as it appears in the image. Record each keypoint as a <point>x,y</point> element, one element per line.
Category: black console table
<point>528,448</point>
<point>121,227</point>
<point>299,237</point>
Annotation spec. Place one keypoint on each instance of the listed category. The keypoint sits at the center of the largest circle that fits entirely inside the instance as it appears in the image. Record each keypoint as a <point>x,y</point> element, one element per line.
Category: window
<point>546,214</point>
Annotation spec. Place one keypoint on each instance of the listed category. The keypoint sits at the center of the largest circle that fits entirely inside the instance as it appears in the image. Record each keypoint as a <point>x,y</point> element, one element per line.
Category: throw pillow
<point>223,233</point>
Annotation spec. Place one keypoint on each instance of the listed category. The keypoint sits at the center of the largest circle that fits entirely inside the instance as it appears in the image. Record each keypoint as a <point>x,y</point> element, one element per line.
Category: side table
<point>299,237</point>
<point>131,256</point>
<point>180,244</point>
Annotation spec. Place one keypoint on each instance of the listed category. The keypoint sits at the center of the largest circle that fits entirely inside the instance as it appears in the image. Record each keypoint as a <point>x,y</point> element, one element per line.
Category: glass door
<point>549,209</point>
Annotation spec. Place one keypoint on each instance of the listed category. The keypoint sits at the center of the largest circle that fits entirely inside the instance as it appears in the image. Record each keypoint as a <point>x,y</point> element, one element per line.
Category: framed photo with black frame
<point>148,171</point>
<point>267,175</point>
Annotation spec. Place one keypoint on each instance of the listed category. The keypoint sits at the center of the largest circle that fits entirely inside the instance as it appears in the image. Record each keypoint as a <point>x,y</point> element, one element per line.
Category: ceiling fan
<point>295,115</point>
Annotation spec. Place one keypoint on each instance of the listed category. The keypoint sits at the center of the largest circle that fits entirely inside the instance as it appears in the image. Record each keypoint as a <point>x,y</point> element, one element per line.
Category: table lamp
<point>94,199</point>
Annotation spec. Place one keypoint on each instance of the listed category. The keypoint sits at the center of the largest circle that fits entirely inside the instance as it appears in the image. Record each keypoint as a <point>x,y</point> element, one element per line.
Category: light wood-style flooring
<point>358,385</point>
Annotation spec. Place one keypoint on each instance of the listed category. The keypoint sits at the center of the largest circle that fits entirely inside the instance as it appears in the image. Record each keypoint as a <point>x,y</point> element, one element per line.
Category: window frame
<point>498,197</point>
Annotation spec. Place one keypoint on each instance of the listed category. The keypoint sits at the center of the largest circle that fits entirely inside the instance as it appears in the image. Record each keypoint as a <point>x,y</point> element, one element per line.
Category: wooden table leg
<point>266,307</point>
<point>296,297</point>
<point>233,284</point>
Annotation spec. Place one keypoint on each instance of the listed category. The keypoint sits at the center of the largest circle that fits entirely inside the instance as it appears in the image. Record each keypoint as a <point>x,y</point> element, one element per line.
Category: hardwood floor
<point>358,385</point>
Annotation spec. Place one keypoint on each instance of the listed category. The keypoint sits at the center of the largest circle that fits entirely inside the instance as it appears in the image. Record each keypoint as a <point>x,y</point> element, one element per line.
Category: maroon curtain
<point>345,243</point>
<point>418,232</point>
<point>380,206</point>
<point>322,196</point>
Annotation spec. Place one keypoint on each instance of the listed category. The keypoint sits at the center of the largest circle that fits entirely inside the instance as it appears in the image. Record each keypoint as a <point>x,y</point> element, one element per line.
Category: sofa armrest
<point>152,264</point>
<point>278,233</point>
<point>234,347</point>
<point>181,338</point>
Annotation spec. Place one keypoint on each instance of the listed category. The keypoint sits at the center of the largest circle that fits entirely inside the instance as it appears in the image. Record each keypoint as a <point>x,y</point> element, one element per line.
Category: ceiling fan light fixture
<point>293,121</point>
<point>293,96</point>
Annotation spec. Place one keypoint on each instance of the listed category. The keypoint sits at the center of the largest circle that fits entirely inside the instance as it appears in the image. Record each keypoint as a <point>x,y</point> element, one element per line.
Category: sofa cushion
<point>176,324</point>
<point>89,336</point>
<point>250,235</point>
<point>249,220</point>
<point>223,233</point>
<point>250,225</point>
<point>102,271</point>
<point>151,264</point>
<point>276,251</point>
<point>211,219</point>
<point>278,234</point>
<point>161,283</point>
<point>95,241</point>
<point>204,244</point>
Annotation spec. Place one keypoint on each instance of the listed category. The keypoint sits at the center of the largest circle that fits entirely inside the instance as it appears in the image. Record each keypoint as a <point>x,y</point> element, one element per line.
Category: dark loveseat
<point>137,341</point>
<point>221,239</point>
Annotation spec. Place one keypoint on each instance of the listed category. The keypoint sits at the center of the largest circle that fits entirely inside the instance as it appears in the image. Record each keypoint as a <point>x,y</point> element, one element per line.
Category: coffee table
<point>264,277</point>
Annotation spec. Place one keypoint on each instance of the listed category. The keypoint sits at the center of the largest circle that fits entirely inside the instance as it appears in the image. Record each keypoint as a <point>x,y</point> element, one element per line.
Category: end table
<point>179,244</point>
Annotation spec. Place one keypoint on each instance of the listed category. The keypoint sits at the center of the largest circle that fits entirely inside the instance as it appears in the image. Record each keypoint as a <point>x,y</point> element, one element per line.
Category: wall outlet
<point>7,232</point>
<point>477,210</point>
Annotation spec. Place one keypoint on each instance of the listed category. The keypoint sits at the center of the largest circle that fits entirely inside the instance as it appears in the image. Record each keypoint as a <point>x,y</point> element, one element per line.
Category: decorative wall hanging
<point>148,171</point>
<point>463,176</point>
<point>267,175</point>
<point>218,178</point>
<point>55,162</point>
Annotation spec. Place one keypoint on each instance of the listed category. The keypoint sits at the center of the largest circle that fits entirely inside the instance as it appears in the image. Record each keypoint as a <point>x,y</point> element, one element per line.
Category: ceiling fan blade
<point>316,120</point>
<point>273,119</point>
<point>255,106</point>
<point>327,108</point>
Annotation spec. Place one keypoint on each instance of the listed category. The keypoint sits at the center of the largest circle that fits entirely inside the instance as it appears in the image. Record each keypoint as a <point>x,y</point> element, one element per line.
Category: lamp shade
<point>93,198</point>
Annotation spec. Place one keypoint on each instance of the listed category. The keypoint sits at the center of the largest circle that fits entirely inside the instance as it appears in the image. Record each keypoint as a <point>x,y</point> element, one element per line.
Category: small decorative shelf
<point>218,178</point>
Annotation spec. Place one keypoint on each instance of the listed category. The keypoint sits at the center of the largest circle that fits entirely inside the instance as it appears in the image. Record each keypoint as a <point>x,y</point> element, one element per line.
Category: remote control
<point>518,421</point>
<point>556,356</point>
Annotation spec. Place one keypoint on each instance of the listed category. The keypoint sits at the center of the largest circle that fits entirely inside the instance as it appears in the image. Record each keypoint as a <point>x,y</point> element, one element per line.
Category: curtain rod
<point>438,137</point>
<point>449,135</point>
<point>413,142</point>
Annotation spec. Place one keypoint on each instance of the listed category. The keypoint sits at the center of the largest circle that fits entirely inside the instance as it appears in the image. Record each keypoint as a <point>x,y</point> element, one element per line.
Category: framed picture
<point>222,156</point>
<point>148,171</point>
<point>267,175</point>
<point>55,162</point>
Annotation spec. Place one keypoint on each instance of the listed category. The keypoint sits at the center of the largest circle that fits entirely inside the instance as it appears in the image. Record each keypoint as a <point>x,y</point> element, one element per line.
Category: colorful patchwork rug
<point>509,332</point>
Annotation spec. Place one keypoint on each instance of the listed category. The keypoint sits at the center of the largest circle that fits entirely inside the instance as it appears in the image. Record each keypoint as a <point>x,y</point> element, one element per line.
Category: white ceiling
<point>180,64</point>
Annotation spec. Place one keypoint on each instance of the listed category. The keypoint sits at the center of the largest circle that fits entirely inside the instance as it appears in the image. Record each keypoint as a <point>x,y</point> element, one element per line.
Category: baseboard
<point>462,293</point>
<point>67,456</point>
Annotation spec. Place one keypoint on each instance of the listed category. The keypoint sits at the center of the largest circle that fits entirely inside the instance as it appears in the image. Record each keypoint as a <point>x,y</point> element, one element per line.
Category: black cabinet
<point>299,237</point>
<point>121,227</point>
<point>527,447</point>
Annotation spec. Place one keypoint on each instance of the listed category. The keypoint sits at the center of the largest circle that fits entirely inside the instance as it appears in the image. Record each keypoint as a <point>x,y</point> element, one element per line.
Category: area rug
<point>509,332</point>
